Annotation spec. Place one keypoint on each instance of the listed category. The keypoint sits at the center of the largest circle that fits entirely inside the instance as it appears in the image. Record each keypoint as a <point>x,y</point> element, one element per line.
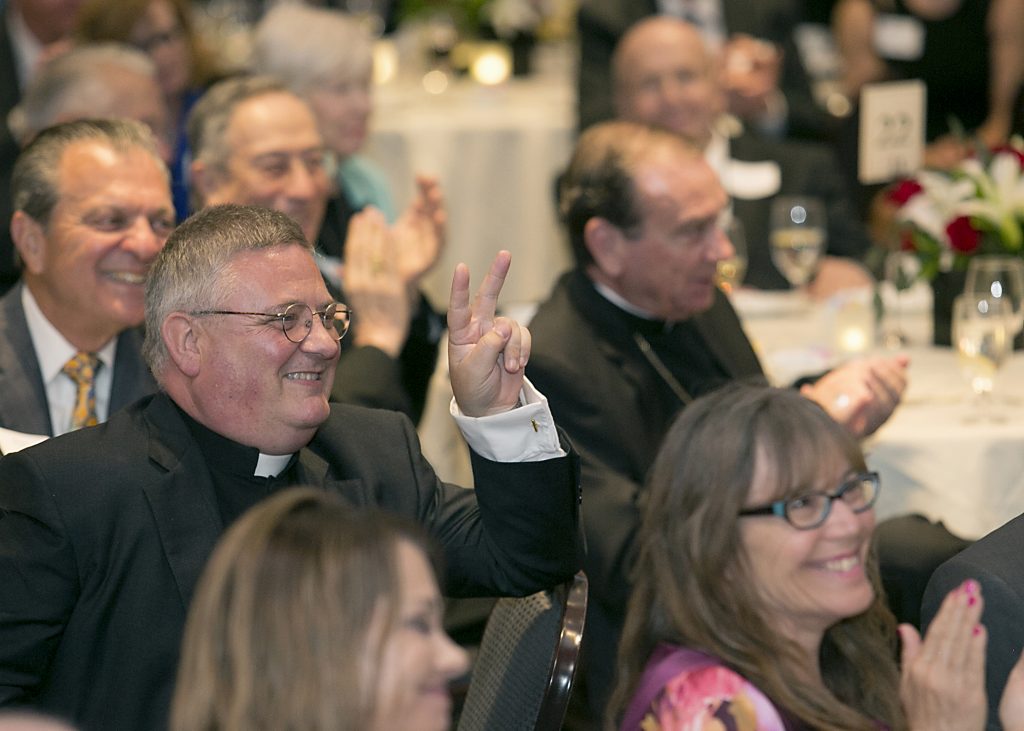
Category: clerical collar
<point>622,303</point>
<point>228,456</point>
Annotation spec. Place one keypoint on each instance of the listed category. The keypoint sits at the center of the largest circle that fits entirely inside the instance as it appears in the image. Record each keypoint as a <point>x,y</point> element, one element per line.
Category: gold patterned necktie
<point>82,370</point>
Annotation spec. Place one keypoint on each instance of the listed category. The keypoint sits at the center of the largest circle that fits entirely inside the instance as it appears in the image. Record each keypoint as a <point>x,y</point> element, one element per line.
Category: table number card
<point>891,130</point>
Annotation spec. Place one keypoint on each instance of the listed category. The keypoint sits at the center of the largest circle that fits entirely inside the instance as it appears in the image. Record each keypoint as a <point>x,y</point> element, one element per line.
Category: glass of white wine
<point>797,237</point>
<point>732,270</point>
<point>981,334</point>
<point>999,277</point>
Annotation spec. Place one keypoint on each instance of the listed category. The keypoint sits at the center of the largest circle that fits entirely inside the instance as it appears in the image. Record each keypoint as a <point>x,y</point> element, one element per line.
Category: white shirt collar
<point>619,301</point>
<point>52,349</point>
<point>271,465</point>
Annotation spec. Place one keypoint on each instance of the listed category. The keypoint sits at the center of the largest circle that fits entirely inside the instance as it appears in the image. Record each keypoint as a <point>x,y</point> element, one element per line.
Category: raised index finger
<point>486,300</point>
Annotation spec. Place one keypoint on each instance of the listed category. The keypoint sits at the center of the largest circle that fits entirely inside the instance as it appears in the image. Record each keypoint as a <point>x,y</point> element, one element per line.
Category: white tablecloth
<point>934,455</point>
<point>496,151</point>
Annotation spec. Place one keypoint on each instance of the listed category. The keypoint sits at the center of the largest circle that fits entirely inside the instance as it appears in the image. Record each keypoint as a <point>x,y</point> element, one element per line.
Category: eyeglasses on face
<point>297,319</point>
<point>811,509</point>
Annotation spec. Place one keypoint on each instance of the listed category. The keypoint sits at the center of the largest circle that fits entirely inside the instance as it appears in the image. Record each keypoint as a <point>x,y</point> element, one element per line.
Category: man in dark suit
<point>91,213</point>
<point>256,142</point>
<point>636,332</point>
<point>774,93</point>
<point>104,532</point>
<point>664,75</point>
<point>995,563</point>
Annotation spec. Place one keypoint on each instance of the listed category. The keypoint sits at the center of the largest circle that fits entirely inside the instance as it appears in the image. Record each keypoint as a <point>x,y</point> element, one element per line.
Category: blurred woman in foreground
<point>757,601</point>
<point>313,615</point>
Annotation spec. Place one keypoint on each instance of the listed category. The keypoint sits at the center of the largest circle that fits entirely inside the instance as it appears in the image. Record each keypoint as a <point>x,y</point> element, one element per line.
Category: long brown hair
<point>285,627</point>
<point>692,583</point>
<point>113,20</point>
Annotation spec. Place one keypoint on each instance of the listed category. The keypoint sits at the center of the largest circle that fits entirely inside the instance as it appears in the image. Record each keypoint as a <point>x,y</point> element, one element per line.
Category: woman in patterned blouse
<point>757,601</point>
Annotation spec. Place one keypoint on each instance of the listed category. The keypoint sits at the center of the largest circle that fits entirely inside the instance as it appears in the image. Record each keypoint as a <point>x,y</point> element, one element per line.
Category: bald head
<point>665,76</point>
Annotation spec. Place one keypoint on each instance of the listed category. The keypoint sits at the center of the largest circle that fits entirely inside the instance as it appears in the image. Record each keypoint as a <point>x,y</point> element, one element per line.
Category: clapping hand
<point>486,354</point>
<point>861,394</point>
<point>420,232</point>
<point>942,683</point>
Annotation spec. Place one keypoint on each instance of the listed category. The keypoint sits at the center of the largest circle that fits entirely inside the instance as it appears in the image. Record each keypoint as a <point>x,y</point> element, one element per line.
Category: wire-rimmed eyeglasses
<point>810,510</point>
<point>297,319</point>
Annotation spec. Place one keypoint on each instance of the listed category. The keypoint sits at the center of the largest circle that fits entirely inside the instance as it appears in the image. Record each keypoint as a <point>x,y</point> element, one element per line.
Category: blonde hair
<point>284,631</point>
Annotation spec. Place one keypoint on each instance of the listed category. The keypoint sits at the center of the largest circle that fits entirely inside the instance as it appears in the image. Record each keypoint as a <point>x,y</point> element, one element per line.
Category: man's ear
<point>29,238</point>
<point>206,182</point>
<point>607,246</point>
<point>182,342</point>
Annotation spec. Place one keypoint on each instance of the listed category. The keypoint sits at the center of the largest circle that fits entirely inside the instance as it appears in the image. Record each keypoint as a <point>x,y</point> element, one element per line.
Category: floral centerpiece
<point>948,217</point>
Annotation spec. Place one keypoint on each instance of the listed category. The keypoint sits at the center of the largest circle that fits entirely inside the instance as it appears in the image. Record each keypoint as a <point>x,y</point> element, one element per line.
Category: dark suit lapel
<point>23,404</point>
<point>132,379</point>
<point>313,470</point>
<point>182,499</point>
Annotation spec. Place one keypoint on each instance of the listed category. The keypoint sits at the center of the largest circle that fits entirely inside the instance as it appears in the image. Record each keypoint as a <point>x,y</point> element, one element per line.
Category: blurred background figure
<point>164,30</point>
<point>765,80</point>
<point>106,80</point>
<point>757,601</point>
<point>970,53</point>
<point>313,615</point>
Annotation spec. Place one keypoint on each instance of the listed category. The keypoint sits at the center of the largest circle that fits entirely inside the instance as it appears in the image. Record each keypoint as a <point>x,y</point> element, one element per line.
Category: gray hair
<point>34,181</point>
<point>207,124</point>
<point>333,47</point>
<point>75,85</point>
<point>189,273</point>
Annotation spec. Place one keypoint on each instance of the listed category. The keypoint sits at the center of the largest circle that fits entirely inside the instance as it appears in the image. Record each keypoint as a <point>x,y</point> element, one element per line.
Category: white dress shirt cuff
<point>523,434</point>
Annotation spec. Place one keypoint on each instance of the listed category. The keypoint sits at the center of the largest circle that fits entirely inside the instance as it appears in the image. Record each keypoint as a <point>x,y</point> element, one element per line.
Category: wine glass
<point>797,237</point>
<point>902,269</point>
<point>981,335</point>
<point>732,270</point>
<point>999,277</point>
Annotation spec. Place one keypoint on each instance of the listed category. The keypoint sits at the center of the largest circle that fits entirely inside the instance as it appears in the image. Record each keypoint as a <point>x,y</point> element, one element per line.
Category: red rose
<point>962,236</point>
<point>907,241</point>
<point>1013,151</point>
<point>904,190</point>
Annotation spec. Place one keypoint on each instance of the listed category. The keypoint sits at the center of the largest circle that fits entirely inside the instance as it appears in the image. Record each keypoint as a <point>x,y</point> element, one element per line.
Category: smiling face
<point>418,659</point>
<point>808,580</point>
<point>276,160</point>
<point>669,269</point>
<point>251,383</point>
<point>86,267</point>
<point>665,78</point>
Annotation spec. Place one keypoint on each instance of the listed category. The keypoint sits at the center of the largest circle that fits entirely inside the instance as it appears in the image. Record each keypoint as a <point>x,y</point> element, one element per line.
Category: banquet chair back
<point>523,674</point>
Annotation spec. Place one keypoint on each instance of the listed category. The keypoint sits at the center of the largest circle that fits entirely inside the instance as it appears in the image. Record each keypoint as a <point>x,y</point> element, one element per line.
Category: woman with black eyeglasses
<point>757,602</point>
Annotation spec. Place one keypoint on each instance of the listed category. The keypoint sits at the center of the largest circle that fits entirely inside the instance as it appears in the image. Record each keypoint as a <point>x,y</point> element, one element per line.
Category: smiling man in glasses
<point>104,533</point>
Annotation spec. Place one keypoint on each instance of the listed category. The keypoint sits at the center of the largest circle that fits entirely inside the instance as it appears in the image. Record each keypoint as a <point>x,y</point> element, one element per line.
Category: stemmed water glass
<point>797,237</point>
<point>982,337</point>
<point>999,277</point>
<point>902,269</point>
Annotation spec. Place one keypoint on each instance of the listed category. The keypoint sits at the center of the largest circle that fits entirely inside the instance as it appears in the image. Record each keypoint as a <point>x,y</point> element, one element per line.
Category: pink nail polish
<point>976,631</point>
<point>972,600</point>
<point>970,586</point>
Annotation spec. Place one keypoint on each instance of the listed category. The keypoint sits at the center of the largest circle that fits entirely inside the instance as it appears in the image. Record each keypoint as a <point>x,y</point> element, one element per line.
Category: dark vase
<point>945,288</point>
<point>522,45</point>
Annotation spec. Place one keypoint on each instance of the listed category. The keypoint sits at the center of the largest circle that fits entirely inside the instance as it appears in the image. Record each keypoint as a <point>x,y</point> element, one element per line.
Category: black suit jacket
<point>612,404</point>
<point>806,169</point>
<point>995,562</point>
<point>104,533</point>
<point>23,404</point>
<point>601,23</point>
<point>10,95</point>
